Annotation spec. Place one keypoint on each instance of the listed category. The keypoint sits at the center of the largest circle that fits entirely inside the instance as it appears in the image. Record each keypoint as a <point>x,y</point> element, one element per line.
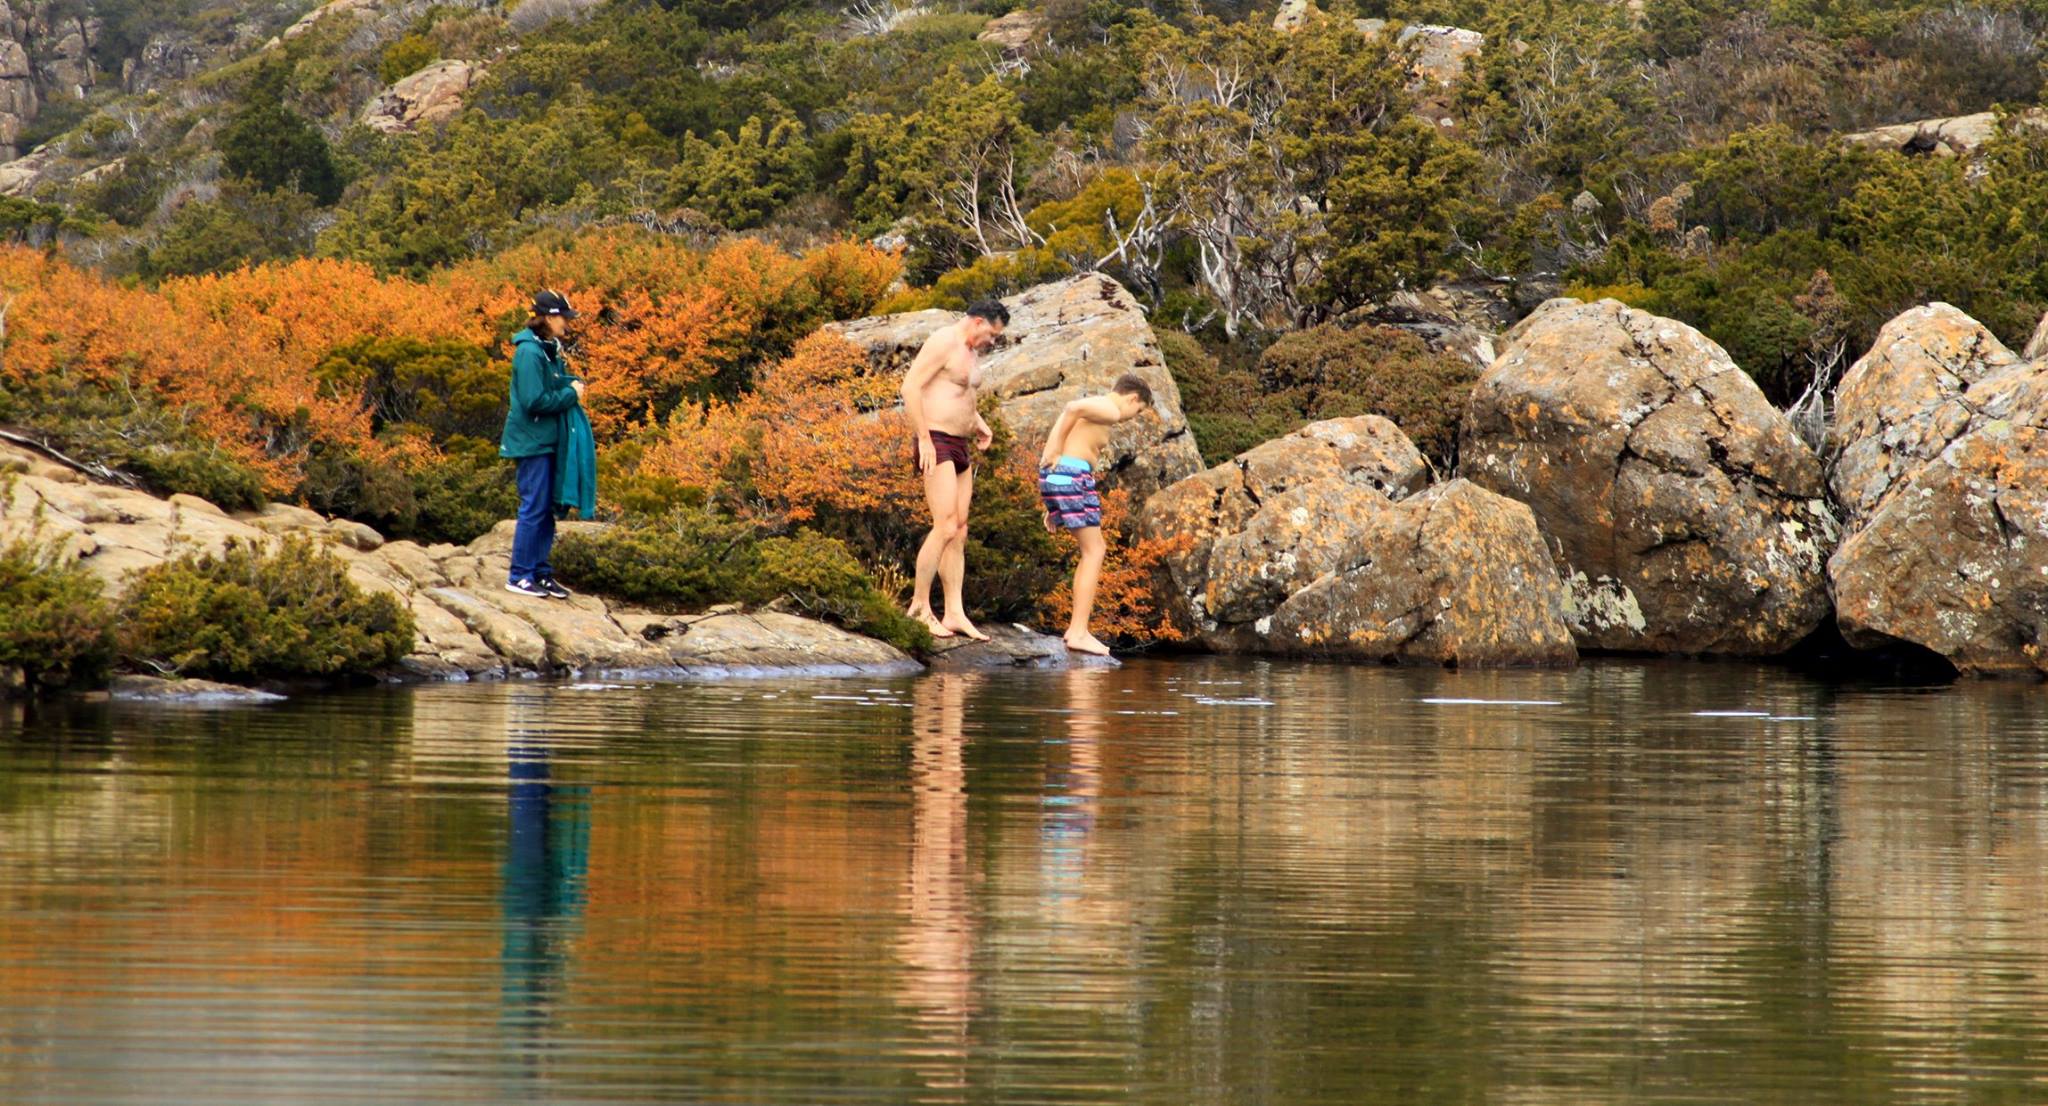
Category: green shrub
<point>251,613</point>
<point>54,622</point>
<point>446,387</point>
<point>822,578</point>
<point>689,557</point>
<point>405,57</point>
<point>1330,372</point>
<point>464,494</point>
<point>1224,405</point>
<point>133,431</point>
<point>339,480</point>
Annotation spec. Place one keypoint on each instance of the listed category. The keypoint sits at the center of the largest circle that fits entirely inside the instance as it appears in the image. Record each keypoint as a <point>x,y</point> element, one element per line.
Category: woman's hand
<point>578,385</point>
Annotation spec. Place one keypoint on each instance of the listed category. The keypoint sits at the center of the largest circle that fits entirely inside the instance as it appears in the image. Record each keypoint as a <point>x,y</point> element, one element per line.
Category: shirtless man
<point>938,395</point>
<point>1066,484</point>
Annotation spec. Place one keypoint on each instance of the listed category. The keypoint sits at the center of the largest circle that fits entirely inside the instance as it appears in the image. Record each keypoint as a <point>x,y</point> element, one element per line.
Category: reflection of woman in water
<point>938,936</point>
<point>547,849</point>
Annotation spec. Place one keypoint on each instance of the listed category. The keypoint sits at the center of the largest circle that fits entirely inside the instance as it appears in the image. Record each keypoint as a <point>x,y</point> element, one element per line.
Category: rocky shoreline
<point>1623,487</point>
<point>469,627</point>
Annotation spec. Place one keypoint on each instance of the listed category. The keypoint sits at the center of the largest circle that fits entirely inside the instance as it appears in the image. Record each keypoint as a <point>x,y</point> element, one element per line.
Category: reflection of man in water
<point>547,849</point>
<point>938,937</point>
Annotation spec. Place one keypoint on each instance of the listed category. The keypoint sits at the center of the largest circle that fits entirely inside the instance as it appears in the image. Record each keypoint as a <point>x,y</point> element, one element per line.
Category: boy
<point>1066,483</point>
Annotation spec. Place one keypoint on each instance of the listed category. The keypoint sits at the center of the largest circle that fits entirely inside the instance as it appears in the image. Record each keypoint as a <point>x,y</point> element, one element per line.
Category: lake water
<point>1178,882</point>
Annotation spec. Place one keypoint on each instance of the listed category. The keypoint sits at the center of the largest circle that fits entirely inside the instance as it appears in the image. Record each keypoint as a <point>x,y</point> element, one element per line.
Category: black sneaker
<point>528,588</point>
<point>553,587</point>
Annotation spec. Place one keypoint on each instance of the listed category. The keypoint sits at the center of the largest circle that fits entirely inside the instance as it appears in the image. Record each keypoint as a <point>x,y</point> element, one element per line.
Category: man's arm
<point>926,365</point>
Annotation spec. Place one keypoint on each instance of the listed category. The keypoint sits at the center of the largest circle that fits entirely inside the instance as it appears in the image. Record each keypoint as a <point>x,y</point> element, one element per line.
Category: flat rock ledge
<point>152,689</point>
<point>470,627</point>
<point>1011,646</point>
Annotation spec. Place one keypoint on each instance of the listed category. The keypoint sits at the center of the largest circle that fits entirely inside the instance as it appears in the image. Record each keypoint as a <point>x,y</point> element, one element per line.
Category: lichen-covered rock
<point>1941,461</point>
<point>429,97</point>
<point>1317,543</point>
<point>1068,339</point>
<point>1903,402</point>
<point>1456,576</point>
<point>1684,513</point>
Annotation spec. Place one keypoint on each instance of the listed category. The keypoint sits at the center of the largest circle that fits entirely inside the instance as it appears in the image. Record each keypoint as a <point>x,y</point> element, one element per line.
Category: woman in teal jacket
<point>541,419</point>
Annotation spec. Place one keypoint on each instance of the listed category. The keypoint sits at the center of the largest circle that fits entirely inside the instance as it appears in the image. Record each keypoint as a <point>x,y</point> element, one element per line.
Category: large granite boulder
<point>1066,340</point>
<point>1684,513</point>
<point>1950,136</point>
<point>468,625</point>
<point>1325,543</point>
<point>1940,463</point>
<point>427,98</point>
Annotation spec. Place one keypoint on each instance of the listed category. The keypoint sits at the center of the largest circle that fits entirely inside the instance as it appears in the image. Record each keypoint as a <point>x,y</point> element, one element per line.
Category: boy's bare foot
<point>1085,642</point>
<point>958,624</point>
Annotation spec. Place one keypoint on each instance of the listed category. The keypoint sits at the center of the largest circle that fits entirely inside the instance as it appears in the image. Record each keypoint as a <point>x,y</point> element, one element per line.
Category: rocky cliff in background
<point>1326,543</point>
<point>1066,340</point>
<point>1684,513</point>
<point>1940,449</point>
<point>45,54</point>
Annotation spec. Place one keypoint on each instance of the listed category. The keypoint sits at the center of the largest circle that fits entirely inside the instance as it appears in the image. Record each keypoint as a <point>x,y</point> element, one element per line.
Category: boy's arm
<point>1056,438</point>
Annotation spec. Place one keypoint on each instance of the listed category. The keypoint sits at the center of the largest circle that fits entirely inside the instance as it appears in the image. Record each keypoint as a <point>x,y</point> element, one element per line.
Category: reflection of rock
<point>468,624</point>
<point>1941,441</point>
<point>1067,339</point>
<point>1009,647</point>
<point>1684,512</point>
<point>431,96</point>
<point>1319,543</point>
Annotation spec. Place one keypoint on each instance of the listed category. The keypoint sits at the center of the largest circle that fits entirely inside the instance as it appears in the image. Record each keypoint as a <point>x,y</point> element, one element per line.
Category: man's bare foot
<point>1085,642</point>
<point>930,620</point>
<point>958,624</point>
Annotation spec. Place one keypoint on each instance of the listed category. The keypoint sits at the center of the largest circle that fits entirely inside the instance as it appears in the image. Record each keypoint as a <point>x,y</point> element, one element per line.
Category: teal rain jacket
<point>541,395</point>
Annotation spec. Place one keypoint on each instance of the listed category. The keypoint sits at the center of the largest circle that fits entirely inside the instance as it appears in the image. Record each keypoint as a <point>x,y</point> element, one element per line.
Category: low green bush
<point>130,430</point>
<point>1329,371</point>
<point>53,621</point>
<point>254,613</point>
<point>688,557</point>
<point>823,579</point>
<point>464,494</point>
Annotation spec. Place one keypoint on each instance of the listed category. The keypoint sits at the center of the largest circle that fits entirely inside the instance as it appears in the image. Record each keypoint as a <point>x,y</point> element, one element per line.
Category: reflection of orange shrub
<point>1127,610</point>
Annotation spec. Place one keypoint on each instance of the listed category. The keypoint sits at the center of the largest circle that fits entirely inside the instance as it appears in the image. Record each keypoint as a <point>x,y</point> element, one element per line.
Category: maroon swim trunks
<point>949,447</point>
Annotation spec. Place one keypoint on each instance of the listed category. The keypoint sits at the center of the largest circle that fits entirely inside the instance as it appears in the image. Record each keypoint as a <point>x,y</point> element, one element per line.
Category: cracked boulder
<point>1940,461</point>
<point>1684,513</point>
<point>1066,340</point>
<point>1325,543</point>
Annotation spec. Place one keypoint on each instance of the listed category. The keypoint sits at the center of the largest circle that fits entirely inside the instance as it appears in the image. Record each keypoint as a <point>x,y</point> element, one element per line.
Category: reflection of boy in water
<point>1071,796</point>
<point>938,936</point>
<point>1066,484</point>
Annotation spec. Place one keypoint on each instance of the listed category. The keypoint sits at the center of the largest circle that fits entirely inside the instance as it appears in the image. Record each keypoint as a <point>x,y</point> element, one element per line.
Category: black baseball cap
<point>552,302</point>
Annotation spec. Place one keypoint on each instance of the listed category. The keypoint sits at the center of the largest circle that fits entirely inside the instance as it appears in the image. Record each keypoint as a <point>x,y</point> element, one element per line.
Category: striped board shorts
<point>1068,489</point>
